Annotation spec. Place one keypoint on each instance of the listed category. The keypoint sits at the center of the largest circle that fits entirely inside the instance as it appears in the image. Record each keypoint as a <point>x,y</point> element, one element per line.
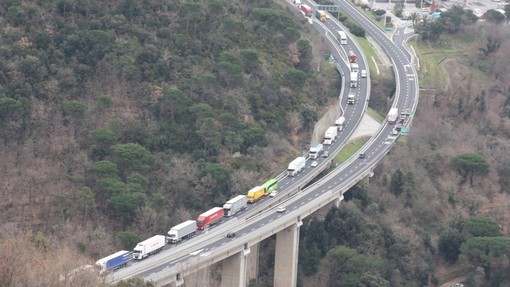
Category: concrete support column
<point>233,273</point>
<point>286,256</point>
<point>252,264</point>
<point>339,200</point>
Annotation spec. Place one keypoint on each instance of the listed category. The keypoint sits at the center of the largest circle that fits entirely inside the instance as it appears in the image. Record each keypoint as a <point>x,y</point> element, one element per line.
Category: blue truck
<point>114,261</point>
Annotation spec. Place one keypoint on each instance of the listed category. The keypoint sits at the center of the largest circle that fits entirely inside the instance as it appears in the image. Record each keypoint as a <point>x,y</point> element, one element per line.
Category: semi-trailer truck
<point>355,67</point>
<point>330,135</point>
<point>307,10</point>
<point>315,152</point>
<point>342,37</point>
<point>354,79</point>
<point>255,194</point>
<point>149,246</point>
<point>296,166</point>
<point>392,115</point>
<point>340,123</point>
<point>352,57</point>
<point>182,231</point>
<point>114,261</point>
<point>234,205</point>
<point>350,99</point>
<point>212,216</point>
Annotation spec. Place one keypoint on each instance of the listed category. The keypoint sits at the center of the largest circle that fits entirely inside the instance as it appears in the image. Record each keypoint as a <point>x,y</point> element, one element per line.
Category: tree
<point>470,164</point>
<point>250,58</point>
<point>494,16</point>
<point>305,55</point>
<point>134,282</point>
<point>73,109</point>
<point>128,239</point>
<point>132,157</point>
<point>103,168</point>
<point>397,182</point>
<point>449,245</point>
<point>254,137</point>
<point>414,17</point>
<point>294,79</point>
<point>104,137</point>
<point>483,251</point>
<point>479,226</point>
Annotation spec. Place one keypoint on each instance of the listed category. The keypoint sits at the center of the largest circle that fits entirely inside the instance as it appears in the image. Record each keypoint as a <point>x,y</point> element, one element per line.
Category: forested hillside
<point>119,119</point>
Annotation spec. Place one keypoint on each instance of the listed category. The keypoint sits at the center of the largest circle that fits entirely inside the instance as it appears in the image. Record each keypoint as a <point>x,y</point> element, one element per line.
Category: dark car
<point>362,155</point>
<point>325,154</point>
<point>231,235</point>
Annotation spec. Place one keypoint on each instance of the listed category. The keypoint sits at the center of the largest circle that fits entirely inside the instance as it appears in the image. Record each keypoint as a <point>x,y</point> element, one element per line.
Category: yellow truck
<point>255,194</point>
<point>321,15</point>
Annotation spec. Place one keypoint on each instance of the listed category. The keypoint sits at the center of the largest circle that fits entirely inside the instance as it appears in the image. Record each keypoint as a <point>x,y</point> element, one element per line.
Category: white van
<point>342,37</point>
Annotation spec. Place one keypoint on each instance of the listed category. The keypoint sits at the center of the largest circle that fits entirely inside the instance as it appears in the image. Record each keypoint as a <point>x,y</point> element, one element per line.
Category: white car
<point>363,73</point>
<point>314,163</point>
<point>280,209</point>
<point>274,193</point>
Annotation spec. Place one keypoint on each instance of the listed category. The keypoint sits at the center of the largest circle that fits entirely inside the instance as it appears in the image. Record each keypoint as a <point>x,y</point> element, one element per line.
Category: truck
<point>307,10</point>
<point>114,261</point>
<point>234,205</point>
<point>352,57</point>
<point>392,115</point>
<point>181,231</point>
<point>296,166</point>
<point>354,67</point>
<point>354,79</point>
<point>321,15</point>
<point>255,194</point>
<point>340,123</point>
<point>149,246</point>
<point>350,99</point>
<point>342,37</point>
<point>212,216</point>
<point>330,135</point>
<point>297,3</point>
<point>270,186</point>
<point>315,152</point>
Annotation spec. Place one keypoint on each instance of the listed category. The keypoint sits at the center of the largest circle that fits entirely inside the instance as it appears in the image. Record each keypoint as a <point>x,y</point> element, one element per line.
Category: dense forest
<point>119,119</point>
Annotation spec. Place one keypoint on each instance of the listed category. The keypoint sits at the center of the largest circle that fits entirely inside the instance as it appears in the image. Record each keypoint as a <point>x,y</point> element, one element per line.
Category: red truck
<point>209,217</point>
<point>352,57</point>
<point>307,10</point>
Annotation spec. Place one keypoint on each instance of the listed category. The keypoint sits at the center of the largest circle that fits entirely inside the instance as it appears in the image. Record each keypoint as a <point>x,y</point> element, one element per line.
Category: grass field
<point>350,149</point>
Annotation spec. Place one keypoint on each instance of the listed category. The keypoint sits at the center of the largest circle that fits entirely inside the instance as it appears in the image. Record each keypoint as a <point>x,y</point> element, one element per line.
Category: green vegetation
<point>350,149</point>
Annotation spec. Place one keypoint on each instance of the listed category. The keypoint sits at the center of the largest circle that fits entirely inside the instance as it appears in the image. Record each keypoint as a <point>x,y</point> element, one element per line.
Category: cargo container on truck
<point>212,216</point>
<point>255,194</point>
<point>321,15</point>
<point>340,123</point>
<point>352,57</point>
<point>330,135</point>
<point>392,115</point>
<point>234,205</point>
<point>270,186</point>
<point>354,79</point>
<point>316,151</point>
<point>296,166</point>
<point>350,99</point>
<point>149,246</point>
<point>342,37</point>
<point>297,3</point>
<point>354,67</point>
<point>114,261</point>
<point>182,231</point>
<point>307,10</point>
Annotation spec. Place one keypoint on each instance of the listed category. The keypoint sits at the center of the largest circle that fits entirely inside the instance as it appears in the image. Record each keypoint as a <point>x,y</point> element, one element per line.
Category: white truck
<point>330,135</point>
<point>340,123</point>
<point>296,166</point>
<point>354,67</point>
<point>350,99</point>
<point>182,231</point>
<point>149,246</point>
<point>392,115</point>
<point>235,205</point>
<point>316,151</point>
<point>354,79</point>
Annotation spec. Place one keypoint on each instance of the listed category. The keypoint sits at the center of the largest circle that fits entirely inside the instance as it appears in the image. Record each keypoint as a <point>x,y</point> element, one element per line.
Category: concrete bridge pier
<point>237,268</point>
<point>339,200</point>
<point>286,256</point>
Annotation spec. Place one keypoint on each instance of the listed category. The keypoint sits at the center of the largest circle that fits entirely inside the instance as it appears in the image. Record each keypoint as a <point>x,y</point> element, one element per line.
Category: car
<point>394,132</point>
<point>314,163</point>
<point>280,209</point>
<point>325,154</point>
<point>231,235</point>
<point>274,193</point>
<point>398,127</point>
<point>362,155</point>
<point>363,73</point>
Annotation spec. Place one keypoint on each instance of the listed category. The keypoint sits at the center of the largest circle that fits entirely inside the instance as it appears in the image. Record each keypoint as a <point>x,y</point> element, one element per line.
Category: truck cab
<point>350,99</point>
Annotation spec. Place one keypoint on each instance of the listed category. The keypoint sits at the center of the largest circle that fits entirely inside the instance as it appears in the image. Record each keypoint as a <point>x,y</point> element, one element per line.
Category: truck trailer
<point>255,194</point>
<point>330,135</point>
<point>354,79</point>
<point>209,217</point>
<point>234,205</point>
<point>182,231</point>
<point>315,152</point>
<point>296,166</point>
<point>392,115</point>
<point>114,261</point>
<point>340,123</point>
<point>350,99</point>
<point>307,10</point>
<point>149,246</point>
<point>355,67</point>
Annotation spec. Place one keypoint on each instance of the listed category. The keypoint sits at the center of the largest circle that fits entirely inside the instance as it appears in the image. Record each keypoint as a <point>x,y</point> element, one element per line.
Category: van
<point>342,37</point>
<point>363,73</point>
